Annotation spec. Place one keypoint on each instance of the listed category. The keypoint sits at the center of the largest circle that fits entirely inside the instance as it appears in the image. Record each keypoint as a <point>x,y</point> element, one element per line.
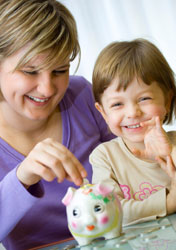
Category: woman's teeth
<point>38,99</point>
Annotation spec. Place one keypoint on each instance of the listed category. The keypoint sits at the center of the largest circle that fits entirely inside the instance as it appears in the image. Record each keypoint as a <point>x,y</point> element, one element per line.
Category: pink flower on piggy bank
<point>93,211</point>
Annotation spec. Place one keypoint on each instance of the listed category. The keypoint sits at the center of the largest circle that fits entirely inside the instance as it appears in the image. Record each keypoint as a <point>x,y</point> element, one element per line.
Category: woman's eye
<point>98,208</point>
<point>60,72</point>
<point>29,72</point>
<point>76,212</point>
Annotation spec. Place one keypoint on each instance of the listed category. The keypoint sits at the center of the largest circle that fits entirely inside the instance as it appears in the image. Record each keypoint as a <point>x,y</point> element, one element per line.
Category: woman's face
<point>29,92</point>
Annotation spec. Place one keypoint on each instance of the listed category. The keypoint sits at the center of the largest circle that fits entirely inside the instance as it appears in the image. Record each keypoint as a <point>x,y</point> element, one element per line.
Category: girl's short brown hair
<point>137,58</point>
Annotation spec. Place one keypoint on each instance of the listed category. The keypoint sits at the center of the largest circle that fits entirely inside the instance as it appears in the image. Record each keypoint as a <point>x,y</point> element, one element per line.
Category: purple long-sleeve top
<point>36,216</point>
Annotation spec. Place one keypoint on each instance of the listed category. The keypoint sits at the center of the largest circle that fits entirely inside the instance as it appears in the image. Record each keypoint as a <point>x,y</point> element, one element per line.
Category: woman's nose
<point>46,85</point>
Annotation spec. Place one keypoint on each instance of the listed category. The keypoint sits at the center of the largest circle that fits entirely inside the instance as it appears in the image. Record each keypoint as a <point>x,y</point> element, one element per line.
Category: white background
<point>101,22</point>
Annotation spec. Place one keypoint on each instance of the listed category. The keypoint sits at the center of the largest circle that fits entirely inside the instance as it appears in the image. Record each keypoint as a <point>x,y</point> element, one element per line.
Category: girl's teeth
<point>134,126</point>
<point>37,99</point>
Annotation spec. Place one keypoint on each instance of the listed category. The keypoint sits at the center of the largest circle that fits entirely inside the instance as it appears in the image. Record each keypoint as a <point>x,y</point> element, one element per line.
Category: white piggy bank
<point>93,211</point>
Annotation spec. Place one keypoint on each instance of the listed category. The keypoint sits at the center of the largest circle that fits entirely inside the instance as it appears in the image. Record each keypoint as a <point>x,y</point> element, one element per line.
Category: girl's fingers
<point>170,166</point>
<point>162,163</point>
<point>167,165</point>
<point>148,123</point>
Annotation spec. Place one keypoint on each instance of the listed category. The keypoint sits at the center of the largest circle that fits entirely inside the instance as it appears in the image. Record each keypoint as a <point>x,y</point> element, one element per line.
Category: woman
<point>47,121</point>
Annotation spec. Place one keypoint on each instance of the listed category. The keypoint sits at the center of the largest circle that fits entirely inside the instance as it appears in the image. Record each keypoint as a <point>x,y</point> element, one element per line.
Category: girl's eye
<point>98,208</point>
<point>145,98</point>
<point>76,212</point>
<point>118,104</point>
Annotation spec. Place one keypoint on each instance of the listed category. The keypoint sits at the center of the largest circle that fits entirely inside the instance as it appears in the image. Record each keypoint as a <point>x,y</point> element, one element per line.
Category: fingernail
<point>78,182</point>
<point>83,173</point>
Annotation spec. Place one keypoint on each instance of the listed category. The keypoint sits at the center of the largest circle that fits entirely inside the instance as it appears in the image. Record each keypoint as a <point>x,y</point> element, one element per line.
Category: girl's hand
<point>169,167</point>
<point>48,160</point>
<point>156,141</point>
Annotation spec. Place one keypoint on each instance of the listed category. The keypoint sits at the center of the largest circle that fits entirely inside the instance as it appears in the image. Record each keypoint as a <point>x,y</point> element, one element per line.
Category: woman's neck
<point>23,134</point>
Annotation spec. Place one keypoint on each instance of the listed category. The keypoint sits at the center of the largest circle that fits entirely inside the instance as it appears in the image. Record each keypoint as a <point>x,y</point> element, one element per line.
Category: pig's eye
<point>98,208</point>
<point>76,212</point>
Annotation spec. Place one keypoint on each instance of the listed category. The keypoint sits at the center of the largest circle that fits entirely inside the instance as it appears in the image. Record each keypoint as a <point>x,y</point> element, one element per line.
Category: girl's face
<point>123,110</point>
<point>29,92</point>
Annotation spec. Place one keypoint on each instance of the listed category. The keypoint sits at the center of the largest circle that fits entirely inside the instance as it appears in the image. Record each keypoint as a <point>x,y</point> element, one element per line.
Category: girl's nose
<point>133,110</point>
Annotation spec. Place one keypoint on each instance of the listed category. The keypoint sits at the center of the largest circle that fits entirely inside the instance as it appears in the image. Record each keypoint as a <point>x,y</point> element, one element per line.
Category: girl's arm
<point>135,210</point>
<point>169,167</point>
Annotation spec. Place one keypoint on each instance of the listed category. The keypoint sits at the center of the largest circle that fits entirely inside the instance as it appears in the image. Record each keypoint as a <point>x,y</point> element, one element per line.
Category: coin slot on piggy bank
<point>93,211</point>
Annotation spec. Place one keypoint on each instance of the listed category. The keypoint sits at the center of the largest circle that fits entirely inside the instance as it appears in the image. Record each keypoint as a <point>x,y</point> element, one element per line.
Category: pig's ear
<point>69,195</point>
<point>104,188</point>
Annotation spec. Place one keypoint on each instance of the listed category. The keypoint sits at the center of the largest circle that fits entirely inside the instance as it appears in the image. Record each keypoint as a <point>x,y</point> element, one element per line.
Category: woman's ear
<point>99,107</point>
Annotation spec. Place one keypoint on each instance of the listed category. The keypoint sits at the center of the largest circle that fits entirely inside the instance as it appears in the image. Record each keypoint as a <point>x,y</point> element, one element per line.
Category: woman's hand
<point>48,160</point>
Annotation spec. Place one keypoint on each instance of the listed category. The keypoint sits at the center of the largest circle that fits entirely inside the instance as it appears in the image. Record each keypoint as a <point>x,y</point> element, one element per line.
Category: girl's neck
<point>133,145</point>
<point>137,145</point>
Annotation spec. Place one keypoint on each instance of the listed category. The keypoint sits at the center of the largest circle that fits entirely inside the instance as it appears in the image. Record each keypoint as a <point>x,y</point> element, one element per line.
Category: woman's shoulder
<point>79,91</point>
<point>79,83</point>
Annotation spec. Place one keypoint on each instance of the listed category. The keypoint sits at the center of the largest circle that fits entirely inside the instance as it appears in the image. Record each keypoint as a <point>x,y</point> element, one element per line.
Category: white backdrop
<point>101,22</point>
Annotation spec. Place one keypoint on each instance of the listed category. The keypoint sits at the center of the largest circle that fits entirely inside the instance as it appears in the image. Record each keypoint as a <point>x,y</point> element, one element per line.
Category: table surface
<point>154,235</point>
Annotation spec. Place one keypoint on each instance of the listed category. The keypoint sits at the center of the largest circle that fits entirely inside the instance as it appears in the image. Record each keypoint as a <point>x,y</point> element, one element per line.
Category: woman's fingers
<point>64,163</point>
<point>48,160</point>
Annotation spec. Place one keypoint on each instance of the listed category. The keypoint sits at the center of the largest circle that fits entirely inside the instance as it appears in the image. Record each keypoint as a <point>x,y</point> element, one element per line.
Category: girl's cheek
<point>104,220</point>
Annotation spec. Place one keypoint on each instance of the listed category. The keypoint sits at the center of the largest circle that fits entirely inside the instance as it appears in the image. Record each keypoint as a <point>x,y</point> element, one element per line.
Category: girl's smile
<point>124,110</point>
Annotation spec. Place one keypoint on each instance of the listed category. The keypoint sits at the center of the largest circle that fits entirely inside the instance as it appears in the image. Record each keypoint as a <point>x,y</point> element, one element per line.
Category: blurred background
<point>101,22</point>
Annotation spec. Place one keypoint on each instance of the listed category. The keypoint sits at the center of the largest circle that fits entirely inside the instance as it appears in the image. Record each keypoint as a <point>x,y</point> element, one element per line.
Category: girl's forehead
<point>135,86</point>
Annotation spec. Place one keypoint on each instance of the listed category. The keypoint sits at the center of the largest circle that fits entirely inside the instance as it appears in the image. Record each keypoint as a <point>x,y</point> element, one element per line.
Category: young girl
<point>48,122</point>
<point>135,92</point>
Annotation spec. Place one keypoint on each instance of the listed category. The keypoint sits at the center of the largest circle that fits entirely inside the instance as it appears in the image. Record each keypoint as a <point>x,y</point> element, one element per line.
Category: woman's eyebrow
<point>63,66</point>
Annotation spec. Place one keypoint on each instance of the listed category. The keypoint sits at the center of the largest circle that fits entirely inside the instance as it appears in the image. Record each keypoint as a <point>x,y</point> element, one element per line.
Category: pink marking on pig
<point>86,192</point>
<point>68,197</point>
<point>104,220</point>
<point>74,225</point>
<point>103,189</point>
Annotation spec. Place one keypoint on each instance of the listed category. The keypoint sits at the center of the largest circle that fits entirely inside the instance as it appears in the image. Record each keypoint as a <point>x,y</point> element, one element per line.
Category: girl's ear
<point>99,107</point>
